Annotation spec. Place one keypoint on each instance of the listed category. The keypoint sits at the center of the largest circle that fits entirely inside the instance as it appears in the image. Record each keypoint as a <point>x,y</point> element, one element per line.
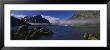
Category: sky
<point>62,14</point>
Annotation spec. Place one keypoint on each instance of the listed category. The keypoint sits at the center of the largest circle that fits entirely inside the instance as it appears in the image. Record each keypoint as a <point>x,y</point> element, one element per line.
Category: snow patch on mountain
<point>52,20</point>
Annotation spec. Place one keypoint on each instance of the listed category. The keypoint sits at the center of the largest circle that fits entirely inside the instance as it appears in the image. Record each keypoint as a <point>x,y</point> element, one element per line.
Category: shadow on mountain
<point>22,32</point>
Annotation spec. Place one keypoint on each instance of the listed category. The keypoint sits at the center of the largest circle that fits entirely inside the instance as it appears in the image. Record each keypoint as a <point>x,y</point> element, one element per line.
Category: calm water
<point>65,32</point>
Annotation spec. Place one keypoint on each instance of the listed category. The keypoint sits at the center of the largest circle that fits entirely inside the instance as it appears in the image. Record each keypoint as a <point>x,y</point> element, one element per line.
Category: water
<point>61,33</point>
<point>66,32</point>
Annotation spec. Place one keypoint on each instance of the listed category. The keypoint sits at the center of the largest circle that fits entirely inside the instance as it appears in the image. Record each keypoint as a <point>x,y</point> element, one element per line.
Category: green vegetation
<point>90,36</point>
<point>23,33</point>
<point>77,16</point>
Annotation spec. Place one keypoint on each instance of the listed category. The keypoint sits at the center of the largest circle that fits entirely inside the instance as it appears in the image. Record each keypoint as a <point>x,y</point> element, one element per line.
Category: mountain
<point>51,19</point>
<point>35,19</point>
<point>87,14</point>
<point>17,22</point>
<point>39,19</point>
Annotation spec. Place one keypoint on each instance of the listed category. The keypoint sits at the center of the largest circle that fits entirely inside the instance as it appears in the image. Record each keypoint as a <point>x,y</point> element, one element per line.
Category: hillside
<point>15,21</point>
<point>86,14</point>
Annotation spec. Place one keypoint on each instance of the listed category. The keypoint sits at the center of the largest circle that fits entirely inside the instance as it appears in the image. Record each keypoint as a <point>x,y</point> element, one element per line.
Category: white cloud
<point>81,21</point>
<point>18,16</point>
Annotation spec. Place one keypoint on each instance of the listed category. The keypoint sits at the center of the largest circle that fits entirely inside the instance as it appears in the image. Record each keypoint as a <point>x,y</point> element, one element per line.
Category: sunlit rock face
<point>86,14</point>
<point>52,20</point>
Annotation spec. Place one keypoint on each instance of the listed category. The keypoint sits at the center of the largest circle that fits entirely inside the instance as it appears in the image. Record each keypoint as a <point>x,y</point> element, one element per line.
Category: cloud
<point>18,16</point>
<point>81,21</point>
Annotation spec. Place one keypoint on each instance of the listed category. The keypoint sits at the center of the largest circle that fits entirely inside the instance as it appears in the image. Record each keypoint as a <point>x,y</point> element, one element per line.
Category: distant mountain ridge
<point>52,20</point>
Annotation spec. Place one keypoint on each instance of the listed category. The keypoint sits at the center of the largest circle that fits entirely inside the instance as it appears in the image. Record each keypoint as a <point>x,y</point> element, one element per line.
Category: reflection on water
<point>64,32</point>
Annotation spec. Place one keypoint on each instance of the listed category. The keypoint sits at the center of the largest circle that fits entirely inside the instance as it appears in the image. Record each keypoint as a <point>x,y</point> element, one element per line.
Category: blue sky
<point>62,14</point>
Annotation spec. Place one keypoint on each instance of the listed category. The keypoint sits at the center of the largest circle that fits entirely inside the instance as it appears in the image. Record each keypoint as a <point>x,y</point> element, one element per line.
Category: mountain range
<point>80,17</point>
<point>52,20</point>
